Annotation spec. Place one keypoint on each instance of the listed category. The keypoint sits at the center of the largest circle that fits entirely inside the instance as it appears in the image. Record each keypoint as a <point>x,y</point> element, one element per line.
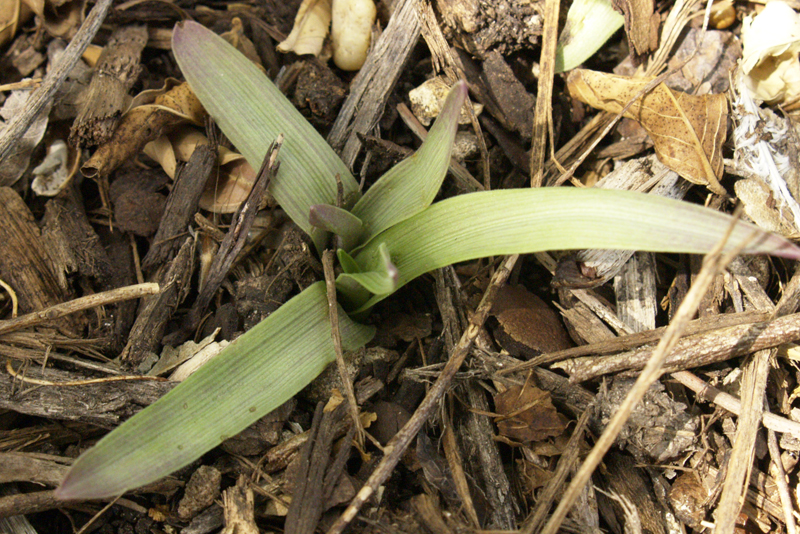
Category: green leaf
<point>590,23</point>
<point>492,223</point>
<point>251,112</point>
<point>258,372</point>
<point>338,221</point>
<point>411,185</point>
<point>381,281</point>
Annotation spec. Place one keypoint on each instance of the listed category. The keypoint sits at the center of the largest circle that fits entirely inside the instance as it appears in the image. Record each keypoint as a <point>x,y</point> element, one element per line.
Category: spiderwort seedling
<point>389,236</point>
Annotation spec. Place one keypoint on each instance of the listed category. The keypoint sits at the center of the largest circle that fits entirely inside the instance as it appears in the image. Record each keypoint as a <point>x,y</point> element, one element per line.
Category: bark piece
<point>635,288</point>
<point>622,478</point>
<point>24,263</point>
<point>104,404</point>
<point>72,242</point>
<point>155,311</point>
<point>641,24</point>
<point>107,96</point>
<point>694,351</point>
<point>476,442</point>
<point>24,467</point>
<point>316,474</point>
<point>181,206</point>
<point>240,515</point>
<point>201,490</point>
<point>509,93</point>
<point>374,82</point>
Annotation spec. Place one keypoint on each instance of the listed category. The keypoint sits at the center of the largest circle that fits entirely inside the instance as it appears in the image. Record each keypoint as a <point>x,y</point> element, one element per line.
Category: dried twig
<point>333,313</point>
<point>732,404</point>
<point>542,119</point>
<point>73,306</point>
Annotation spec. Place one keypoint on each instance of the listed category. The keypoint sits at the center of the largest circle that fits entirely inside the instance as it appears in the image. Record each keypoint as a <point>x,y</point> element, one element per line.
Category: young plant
<point>387,237</point>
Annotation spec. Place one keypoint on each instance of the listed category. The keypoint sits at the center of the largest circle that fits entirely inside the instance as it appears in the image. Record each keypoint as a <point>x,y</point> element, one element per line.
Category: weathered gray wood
<point>371,87</point>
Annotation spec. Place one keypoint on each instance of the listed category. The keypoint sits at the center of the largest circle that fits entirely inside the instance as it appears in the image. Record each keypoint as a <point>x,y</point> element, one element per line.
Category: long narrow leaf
<point>251,111</point>
<point>411,185</point>
<point>253,376</point>
<point>531,220</point>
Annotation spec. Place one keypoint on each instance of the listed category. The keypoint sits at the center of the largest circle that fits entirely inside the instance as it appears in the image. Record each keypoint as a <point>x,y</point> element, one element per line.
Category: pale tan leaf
<point>687,130</point>
<point>310,28</point>
<point>13,14</point>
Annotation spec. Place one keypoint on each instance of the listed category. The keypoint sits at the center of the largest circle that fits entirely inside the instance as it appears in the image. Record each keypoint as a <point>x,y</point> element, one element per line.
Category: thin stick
<point>44,94</point>
<point>73,306</point>
<point>399,443</point>
<point>770,420</point>
<point>85,382</point>
<point>712,264</point>
<point>98,514</point>
<point>780,478</point>
<point>333,314</point>
<point>542,118</point>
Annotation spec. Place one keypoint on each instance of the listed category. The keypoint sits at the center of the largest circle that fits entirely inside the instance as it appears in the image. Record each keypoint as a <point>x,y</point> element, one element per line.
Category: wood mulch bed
<point>564,338</point>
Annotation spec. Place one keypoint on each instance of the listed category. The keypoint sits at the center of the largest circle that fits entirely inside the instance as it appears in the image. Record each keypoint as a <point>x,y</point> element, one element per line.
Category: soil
<point>497,453</point>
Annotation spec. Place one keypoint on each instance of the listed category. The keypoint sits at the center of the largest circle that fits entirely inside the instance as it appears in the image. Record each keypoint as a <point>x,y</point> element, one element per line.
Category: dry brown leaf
<point>527,414</point>
<point>240,42</point>
<point>144,123</point>
<point>687,130</point>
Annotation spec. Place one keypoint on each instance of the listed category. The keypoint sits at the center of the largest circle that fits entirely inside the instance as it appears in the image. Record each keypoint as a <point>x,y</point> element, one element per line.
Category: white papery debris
<point>755,139</point>
<point>770,44</point>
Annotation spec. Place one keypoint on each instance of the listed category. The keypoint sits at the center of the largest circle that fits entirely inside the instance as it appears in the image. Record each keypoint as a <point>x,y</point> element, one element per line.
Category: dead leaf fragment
<point>527,325</point>
<point>60,18</point>
<point>144,123</point>
<point>687,130</point>
<point>526,414</point>
<point>310,28</point>
<point>13,14</point>
<point>234,179</point>
<point>240,42</point>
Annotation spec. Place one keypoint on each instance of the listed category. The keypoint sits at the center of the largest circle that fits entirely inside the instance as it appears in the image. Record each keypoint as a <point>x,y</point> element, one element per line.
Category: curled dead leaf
<point>53,174</point>
<point>145,122</point>
<point>687,130</point>
<point>234,179</point>
<point>526,414</point>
